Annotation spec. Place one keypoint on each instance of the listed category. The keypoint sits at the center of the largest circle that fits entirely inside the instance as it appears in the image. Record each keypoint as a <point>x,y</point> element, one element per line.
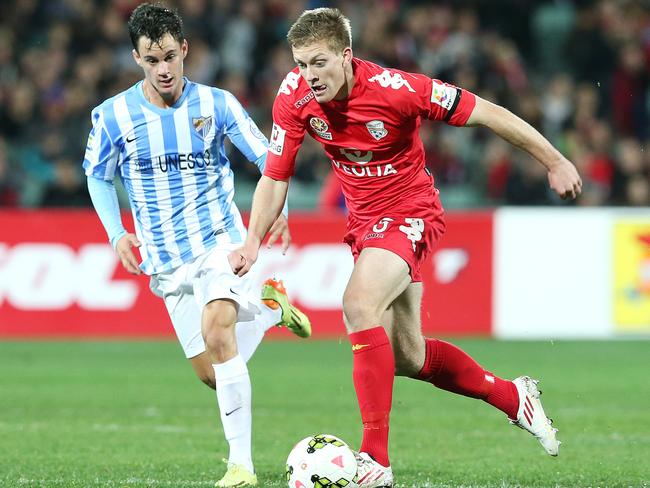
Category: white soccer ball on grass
<point>321,461</point>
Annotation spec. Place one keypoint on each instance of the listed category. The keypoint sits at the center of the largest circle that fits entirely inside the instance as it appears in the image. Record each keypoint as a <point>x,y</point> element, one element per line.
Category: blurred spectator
<point>8,185</point>
<point>527,183</point>
<point>631,166</point>
<point>68,188</point>
<point>577,70</point>
<point>630,85</point>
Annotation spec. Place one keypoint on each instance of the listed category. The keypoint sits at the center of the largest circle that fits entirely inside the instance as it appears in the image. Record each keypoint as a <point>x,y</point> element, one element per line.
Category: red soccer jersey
<point>371,136</point>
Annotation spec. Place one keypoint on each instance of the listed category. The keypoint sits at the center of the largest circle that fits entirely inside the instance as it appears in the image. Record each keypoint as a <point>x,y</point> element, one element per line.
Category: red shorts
<point>409,233</point>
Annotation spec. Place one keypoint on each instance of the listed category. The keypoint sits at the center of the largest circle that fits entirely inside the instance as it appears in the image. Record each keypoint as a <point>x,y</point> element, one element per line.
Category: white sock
<point>268,317</point>
<point>234,399</point>
<point>250,334</point>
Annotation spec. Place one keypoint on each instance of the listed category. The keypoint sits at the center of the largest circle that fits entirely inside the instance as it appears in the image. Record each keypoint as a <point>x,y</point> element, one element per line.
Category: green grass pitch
<point>132,414</point>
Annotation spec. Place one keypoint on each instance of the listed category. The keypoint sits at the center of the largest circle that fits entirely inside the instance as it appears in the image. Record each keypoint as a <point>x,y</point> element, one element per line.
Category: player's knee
<point>357,311</point>
<point>208,379</point>
<point>216,338</point>
<point>221,313</point>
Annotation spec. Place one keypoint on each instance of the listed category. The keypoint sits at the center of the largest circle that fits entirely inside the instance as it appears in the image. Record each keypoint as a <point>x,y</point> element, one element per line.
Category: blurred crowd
<point>576,70</point>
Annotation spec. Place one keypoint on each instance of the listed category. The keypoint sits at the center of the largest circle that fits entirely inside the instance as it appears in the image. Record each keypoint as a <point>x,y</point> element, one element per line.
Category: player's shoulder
<point>294,91</point>
<point>392,81</point>
<point>106,109</point>
<point>197,89</point>
<point>219,97</point>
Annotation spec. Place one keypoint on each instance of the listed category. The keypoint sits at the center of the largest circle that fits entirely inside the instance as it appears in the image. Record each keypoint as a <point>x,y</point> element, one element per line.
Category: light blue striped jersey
<point>174,167</point>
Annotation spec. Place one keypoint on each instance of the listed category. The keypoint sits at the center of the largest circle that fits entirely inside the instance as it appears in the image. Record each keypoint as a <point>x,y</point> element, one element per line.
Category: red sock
<point>452,369</point>
<point>373,371</point>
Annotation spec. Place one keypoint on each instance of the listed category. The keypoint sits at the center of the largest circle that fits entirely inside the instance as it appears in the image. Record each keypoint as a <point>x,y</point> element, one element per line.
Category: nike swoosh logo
<point>232,411</point>
<point>130,138</point>
<point>356,347</point>
<point>233,292</point>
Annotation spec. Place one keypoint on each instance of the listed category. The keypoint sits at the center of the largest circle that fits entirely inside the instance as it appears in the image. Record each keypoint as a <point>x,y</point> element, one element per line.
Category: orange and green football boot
<point>274,295</point>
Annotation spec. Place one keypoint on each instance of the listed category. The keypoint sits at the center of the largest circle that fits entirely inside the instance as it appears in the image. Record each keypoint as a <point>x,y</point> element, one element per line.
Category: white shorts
<point>188,288</point>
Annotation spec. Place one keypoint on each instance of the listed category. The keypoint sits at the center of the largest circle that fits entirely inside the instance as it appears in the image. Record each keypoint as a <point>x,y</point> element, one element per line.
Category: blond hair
<point>321,24</point>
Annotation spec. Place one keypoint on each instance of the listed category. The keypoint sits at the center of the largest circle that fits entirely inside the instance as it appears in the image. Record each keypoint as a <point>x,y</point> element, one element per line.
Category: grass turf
<point>89,414</point>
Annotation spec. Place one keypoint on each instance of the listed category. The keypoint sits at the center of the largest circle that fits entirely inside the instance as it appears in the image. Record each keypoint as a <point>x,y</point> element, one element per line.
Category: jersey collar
<point>140,91</point>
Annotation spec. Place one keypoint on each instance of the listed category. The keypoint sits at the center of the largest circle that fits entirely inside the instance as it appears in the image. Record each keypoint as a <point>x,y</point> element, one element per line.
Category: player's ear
<point>347,56</point>
<point>136,57</point>
<point>184,48</point>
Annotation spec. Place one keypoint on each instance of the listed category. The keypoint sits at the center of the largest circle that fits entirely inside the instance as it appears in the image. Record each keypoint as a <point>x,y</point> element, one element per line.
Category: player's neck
<point>155,98</point>
<point>346,89</point>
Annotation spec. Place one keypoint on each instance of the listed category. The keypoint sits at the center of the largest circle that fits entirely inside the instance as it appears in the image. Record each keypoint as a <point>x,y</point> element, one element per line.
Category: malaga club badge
<point>202,125</point>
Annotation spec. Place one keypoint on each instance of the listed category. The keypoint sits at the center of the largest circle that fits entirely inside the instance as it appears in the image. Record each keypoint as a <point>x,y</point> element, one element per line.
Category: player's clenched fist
<point>565,180</point>
<point>124,248</point>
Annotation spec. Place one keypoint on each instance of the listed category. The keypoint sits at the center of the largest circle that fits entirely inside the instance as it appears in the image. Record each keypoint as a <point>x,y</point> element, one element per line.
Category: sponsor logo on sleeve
<point>89,145</point>
<point>443,95</point>
<point>255,131</point>
<point>276,144</point>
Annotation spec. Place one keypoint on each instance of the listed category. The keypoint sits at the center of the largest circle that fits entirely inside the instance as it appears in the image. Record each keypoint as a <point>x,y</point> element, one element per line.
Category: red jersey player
<point>367,118</point>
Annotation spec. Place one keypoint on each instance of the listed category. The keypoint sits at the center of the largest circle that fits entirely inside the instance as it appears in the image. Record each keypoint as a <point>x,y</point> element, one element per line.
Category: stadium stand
<point>577,70</point>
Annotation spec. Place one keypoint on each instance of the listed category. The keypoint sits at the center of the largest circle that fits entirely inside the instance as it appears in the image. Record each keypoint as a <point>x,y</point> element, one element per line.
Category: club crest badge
<point>376,129</point>
<point>202,125</point>
<point>320,128</point>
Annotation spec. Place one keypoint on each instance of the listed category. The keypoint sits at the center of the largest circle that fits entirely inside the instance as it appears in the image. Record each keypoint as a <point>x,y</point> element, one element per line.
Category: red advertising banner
<point>59,277</point>
<point>458,284</point>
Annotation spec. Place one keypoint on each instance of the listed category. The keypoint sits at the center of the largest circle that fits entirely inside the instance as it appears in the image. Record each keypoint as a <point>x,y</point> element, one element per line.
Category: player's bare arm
<point>268,200</point>
<point>563,176</point>
<point>280,228</point>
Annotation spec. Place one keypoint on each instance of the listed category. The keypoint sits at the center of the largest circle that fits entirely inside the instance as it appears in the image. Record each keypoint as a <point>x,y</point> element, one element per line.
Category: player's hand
<point>124,249</point>
<point>242,259</point>
<point>565,180</point>
<point>280,228</point>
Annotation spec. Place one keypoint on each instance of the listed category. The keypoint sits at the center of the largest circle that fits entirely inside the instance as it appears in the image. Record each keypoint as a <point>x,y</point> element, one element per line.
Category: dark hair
<point>154,21</point>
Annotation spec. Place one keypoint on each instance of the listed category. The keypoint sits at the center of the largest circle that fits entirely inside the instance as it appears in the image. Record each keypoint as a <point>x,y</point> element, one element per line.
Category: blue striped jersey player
<point>174,167</point>
<point>164,138</point>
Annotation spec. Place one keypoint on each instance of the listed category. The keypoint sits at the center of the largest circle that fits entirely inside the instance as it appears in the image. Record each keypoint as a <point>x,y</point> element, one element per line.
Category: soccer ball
<point>321,461</point>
